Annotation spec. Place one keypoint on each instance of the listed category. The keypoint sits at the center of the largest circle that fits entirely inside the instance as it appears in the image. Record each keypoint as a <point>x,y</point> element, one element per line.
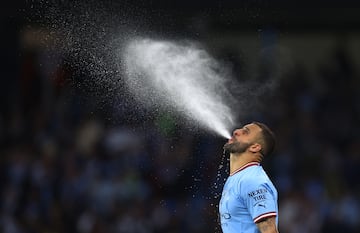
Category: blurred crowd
<point>70,165</point>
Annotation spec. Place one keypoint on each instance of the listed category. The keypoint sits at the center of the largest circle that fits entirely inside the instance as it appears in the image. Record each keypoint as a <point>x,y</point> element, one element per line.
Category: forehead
<point>254,128</point>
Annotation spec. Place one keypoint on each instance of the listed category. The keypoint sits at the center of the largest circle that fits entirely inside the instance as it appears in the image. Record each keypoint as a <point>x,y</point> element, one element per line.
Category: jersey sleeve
<point>260,200</point>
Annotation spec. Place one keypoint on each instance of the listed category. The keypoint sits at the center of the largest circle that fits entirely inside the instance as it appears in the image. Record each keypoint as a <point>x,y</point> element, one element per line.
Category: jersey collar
<point>245,166</point>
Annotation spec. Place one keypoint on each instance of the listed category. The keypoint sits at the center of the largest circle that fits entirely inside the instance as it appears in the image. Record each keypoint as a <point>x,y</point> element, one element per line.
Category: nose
<point>237,132</point>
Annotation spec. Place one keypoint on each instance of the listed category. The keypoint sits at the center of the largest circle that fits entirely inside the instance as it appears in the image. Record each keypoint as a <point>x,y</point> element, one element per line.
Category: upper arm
<point>261,201</point>
<point>267,225</point>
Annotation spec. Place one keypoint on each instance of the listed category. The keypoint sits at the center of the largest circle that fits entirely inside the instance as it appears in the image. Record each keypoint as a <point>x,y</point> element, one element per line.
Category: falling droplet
<point>221,176</point>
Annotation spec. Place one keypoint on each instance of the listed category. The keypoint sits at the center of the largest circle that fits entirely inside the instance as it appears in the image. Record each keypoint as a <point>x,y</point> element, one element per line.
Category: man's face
<point>243,138</point>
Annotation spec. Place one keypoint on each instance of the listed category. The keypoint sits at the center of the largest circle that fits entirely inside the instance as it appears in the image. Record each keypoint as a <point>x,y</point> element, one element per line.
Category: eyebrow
<point>247,129</point>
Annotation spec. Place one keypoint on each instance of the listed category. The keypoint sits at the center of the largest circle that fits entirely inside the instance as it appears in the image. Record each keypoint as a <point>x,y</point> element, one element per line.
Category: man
<point>249,199</point>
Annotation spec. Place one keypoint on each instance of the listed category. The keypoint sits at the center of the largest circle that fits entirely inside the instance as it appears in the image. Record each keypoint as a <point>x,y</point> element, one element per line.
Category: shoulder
<point>257,184</point>
<point>255,176</point>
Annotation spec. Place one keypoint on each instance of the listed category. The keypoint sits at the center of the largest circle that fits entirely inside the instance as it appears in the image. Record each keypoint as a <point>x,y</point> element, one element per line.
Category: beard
<point>236,147</point>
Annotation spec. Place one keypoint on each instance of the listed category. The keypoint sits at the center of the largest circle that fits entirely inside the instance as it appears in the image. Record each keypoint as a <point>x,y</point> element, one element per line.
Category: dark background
<point>78,157</point>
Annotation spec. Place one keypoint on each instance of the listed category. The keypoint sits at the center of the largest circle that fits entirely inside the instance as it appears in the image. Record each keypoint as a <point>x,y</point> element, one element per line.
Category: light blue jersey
<point>248,197</point>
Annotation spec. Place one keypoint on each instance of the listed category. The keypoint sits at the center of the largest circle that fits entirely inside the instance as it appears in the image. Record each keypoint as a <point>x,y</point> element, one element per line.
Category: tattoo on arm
<point>268,225</point>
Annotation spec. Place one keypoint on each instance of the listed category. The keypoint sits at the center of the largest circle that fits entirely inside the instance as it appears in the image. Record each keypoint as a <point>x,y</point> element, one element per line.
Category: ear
<point>256,147</point>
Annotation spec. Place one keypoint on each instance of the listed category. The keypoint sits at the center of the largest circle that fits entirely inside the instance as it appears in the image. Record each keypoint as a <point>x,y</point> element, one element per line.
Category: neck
<point>239,160</point>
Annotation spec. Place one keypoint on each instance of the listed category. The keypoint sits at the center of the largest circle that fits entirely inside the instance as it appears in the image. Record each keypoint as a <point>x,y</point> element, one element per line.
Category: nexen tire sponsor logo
<point>258,194</point>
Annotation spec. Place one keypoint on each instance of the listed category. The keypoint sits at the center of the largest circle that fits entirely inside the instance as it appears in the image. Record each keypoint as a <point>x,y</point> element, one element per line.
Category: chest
<point>231,201</point>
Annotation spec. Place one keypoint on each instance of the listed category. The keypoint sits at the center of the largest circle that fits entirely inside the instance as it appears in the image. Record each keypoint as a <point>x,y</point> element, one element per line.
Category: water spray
<point>183,76</point>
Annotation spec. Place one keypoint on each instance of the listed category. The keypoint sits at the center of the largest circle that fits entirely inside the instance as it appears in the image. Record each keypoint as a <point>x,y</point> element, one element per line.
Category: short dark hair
<point>268,137</point>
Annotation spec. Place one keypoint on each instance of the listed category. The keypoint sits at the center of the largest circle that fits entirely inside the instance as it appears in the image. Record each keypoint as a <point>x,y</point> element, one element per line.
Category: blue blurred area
<point>74,161</point>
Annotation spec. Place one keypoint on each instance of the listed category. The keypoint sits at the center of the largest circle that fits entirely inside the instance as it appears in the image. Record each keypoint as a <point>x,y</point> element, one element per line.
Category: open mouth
<point>231,140</point>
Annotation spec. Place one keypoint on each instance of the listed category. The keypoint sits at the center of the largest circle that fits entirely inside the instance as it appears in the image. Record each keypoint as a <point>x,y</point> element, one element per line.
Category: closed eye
<point>246,130</point>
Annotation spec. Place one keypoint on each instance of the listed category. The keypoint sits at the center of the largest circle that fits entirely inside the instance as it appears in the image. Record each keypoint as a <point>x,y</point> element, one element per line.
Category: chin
<point>228,147</point>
